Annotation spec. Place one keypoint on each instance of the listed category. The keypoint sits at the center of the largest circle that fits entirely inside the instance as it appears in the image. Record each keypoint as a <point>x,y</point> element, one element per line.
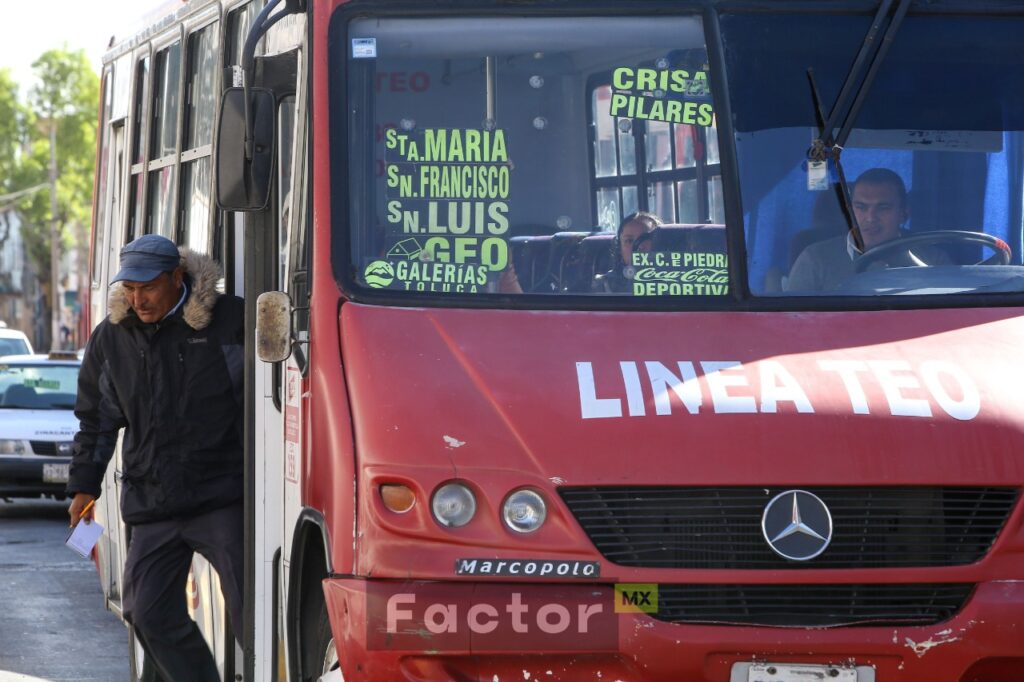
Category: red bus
<point>659,340</point>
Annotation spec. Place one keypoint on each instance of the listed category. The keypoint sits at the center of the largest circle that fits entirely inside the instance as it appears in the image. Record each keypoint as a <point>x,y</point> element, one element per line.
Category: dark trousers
<point>155,573</point>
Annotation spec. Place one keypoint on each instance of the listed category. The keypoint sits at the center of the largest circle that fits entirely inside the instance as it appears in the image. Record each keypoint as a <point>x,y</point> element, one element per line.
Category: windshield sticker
<point>447,145</point>
<point>768,387</point>
<point>450,188</point>
<point>817,176</point>
<point>671,95</point>
<point>438,264</point>
<point>42,383</point>
<point>364,48</point>
<point>436,181</point>
<point>680,274</point>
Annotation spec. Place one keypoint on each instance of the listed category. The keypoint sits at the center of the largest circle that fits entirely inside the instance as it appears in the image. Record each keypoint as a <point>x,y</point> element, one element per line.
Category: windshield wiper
<point>871,55</point>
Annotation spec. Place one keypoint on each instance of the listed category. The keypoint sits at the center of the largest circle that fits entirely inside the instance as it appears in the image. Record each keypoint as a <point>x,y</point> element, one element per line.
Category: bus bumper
<point>984,642</point>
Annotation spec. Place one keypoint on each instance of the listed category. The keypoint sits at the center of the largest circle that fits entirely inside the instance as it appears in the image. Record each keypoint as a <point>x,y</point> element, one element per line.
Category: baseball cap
<point>146,258</point>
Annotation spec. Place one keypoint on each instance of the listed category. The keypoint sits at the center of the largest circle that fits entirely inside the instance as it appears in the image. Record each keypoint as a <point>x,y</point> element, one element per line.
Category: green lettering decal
<point>705,115</point>
<point>446,145</point>
<point>491,252</point>
<point>439,264</point>
<point>671,95</point>
<point>622,78</point>
<point>655,109</point>
<point>379,274</point>
<point>681,274</point>
<point>456,181</point>
<point>439,277</point>
<point>407,248</point>
<point>451,186</point>
<point>48,384</point>
<point>436,144</point>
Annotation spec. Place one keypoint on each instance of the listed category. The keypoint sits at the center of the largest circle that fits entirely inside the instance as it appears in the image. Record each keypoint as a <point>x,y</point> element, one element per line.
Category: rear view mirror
<point>244,184</point>
<point>273,326</point>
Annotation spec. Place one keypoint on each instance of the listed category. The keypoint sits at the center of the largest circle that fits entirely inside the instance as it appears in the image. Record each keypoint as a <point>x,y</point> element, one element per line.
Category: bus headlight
<point>524,511</point>
<point>454,505</point>
<point>12,447</point>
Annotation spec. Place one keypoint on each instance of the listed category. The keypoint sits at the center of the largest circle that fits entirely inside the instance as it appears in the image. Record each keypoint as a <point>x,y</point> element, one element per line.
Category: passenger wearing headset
<point>619,279</point>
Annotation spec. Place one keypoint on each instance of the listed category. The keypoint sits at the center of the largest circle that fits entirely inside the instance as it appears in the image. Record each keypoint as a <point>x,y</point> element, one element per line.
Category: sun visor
<point>942,74</point>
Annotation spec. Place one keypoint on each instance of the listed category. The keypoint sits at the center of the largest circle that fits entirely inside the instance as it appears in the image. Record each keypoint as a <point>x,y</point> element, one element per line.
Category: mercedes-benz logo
<point>797,525</point>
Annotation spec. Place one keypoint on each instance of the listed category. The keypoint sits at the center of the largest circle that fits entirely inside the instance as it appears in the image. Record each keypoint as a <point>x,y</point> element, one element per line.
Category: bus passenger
<point>166,366</point>
<point>508,281</point>
<point>879,200</point>
<point>619,280</point>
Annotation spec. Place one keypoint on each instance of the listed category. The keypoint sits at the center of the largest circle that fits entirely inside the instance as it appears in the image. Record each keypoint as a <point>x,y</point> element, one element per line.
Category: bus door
<point>276,262</point>
<point>105,265</point>
<point>106,254</point>
<point>294,281</point>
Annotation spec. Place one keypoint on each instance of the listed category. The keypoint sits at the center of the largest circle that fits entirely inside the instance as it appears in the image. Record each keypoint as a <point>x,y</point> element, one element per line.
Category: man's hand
<point>80,502</point>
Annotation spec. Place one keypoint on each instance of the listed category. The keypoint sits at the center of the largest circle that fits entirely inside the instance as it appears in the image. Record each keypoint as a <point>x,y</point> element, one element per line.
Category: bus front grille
<point>687,527</point>
<point>819,606</point>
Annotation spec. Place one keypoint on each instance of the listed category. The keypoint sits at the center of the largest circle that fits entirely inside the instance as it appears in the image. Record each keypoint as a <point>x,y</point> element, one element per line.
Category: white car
<point>14,342</point>
<point>37,423</point>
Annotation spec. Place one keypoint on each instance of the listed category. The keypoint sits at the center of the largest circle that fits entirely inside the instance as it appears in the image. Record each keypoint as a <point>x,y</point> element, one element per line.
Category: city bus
<point>649,340</point>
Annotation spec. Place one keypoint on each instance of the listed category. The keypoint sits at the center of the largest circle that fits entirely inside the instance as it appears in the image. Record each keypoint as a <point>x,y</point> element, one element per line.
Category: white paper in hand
<point>83,538</point>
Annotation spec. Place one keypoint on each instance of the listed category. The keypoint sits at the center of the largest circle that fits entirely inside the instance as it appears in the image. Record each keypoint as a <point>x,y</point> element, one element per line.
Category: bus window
<point>716,202</point>
<point>662,202</point>
<point>239,23</point>
<point>935,183</point>
<point>140,124</point>
<point>505,165</point>
<point>164,140</point>
<point>285,153</point>
<point>200,104</point>
<point>98,235</point>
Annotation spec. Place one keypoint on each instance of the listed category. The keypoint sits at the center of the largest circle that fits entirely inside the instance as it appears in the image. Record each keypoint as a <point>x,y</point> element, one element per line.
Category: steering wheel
<point>904,244</point>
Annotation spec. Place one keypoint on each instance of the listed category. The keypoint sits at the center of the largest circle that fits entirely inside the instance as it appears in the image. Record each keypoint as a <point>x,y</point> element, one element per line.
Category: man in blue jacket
<point>166,366</point>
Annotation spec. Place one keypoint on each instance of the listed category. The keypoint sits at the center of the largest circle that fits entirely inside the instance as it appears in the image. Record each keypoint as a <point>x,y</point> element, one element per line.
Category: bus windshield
<point>934,163</point>
<point>513,155</point>
<point>580,156</point>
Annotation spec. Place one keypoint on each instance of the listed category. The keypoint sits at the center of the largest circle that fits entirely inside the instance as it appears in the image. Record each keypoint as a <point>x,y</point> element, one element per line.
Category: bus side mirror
<point>244,184</point>
<point>273,326</point>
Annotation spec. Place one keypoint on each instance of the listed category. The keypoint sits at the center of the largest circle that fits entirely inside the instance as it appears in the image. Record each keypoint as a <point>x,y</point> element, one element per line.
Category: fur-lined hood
<point>202,273</point>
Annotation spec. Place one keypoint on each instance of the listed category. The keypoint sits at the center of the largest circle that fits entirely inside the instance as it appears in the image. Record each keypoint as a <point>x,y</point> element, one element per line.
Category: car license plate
<point>799,672</point>
<point>55,473</point>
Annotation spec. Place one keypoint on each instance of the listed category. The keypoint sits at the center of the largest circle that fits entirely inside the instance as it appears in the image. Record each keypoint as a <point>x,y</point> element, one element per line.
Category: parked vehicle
<point>14,342</point>
<point>37,423</point>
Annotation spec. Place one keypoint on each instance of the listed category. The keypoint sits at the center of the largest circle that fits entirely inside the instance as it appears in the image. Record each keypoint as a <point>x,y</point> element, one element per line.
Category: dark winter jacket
<point>175,386</point>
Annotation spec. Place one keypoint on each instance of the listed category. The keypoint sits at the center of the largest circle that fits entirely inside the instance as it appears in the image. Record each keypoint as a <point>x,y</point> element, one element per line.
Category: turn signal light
<point>397,498</point>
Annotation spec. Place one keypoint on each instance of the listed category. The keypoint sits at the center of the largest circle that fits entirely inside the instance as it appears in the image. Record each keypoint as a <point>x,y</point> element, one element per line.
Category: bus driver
<point>879,200</point>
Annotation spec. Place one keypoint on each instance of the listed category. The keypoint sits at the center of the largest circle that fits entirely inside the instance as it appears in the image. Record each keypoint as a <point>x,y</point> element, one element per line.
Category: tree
<point>12,122</point>
<point>67,99</point>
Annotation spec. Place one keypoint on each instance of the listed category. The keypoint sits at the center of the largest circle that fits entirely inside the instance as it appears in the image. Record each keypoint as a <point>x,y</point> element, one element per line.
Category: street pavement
<point>53,625</point>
